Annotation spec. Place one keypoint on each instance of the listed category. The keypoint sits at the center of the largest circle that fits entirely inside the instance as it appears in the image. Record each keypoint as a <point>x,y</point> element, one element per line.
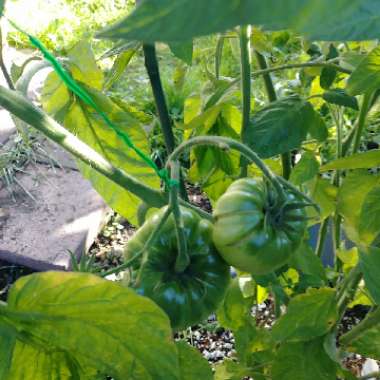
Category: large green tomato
<point>253,231</point>
<point>188,297</point>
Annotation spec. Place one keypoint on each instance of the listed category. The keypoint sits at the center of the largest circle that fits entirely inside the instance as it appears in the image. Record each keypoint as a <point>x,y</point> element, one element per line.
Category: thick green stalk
<point>226,143</point>
<point>27,112</point>
<point>322,235</point>
<point>347,289</point>
<point>372,320</point>
<point>245,61</point>
<point>362,120</point>
<point>183,259</point>
<point>272,97</point>
<point>152,69</point>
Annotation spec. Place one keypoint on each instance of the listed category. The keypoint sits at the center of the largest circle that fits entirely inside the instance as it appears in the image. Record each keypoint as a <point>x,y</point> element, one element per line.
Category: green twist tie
<point>86,98</point>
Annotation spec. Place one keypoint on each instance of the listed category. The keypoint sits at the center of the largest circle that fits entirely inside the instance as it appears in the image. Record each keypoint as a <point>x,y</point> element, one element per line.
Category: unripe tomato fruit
<point>254,231</point>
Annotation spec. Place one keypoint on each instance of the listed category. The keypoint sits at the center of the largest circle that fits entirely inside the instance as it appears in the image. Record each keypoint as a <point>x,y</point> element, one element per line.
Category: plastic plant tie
<point>86,98</point>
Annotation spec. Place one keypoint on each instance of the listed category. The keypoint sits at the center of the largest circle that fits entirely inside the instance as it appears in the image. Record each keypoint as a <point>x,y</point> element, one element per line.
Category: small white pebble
<point>370,366</point>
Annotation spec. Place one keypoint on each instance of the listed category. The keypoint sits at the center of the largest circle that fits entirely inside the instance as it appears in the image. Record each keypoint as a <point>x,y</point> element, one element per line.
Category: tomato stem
<point>183,259</point>
<point>365,106</point>
<point>226,143</point>
<point>245,60</point>
<point>152,238</point>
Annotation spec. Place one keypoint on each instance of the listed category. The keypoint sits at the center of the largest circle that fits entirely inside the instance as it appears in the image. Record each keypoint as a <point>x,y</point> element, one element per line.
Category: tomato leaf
<point>339,97</point>
<point>369,222</point>
<point>65,318</point>
<point>192,364</point>
<point>231,370</point>
<point>280,127</point>
<point>366,77</point>
<point>300,360</point>
<point>309,315</point>
<point>365,160</point>
<point>234,311</point>
<point>370,264</point>
<point>305,170</point>
<point>165,20</point>
<point>183,51</point>
<point>351,196</point>
<point>83,121</point>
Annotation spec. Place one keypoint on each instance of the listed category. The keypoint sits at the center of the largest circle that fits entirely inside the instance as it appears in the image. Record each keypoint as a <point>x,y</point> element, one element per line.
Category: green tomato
<point>188,297</point>
<point>253,230</point>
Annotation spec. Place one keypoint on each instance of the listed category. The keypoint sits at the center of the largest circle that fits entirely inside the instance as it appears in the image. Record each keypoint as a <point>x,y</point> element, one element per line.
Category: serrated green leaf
<point>366,77</point>
<point>80,119</point>
<point>370,264</point>
<point>230,370</point>
<point>324,194</point>
<point>83,66</point>
<point>165,20</point>
<point>351,195</point>
<point>280,127</point>
<point>308,263</point>
<point>234,311</point>
<point>318,128</point>
<point>309,315</point>
<point>183,51</point>
<point>98,323</point>
<point>118,67</point>
<point>339,97</point>
<point>192,365</point>
<point>365,160</point>
<point>303,361</point>
<point>305,170</point>
<point>369,221</point>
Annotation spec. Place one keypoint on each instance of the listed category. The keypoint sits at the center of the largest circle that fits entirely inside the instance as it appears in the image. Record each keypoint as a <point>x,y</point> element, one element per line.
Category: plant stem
<point>362,119</point>
<point>348,289</point>
<point>3,68</point>
<point>183,259</point>
<point>337,221</point>
<point>226,143</point>
<point>245,48</point>
<point>265,71</point>
<point>271,93</point>
<point>152,238</point>
<point>27,112</point>
<point>371,320</point>
<point>218,55</point>
<point>322,237</point>
<point>153,71</point>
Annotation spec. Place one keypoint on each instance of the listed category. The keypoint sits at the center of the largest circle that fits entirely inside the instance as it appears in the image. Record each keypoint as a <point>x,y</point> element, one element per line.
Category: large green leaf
<point>369,223</point>
<point>80,119</point>
<point>303,361</point>
<point>183,51</point>
<point>305,170</point>
<point>351,196</point>
<point>280,127</point>
<point>181,20</point>
<point>370,266</point>
<point>366,77</point>
<point>67,322</point>
<point>365,160</point>
<point>192,364</point>
<point>309,315</point>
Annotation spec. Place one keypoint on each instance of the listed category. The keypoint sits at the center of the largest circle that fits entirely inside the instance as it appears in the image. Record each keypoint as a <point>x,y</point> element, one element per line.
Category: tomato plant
<point>276,137</point>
